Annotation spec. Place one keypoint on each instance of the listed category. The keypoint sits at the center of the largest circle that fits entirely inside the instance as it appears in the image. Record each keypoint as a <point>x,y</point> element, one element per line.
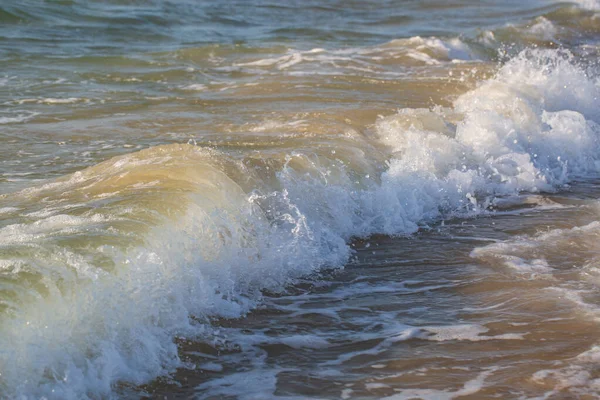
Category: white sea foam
<point>543,29</point>
<point>69,100</point>
<point>211,366</point>
<point>53,100</point>
<point>250,385</point>
<point>17,117</point>
<point>282,62</point>
<point>428,51</point>
<point>575,378</point>
<point>278,126</point>
<point>470,387</point>
<point>522,255</point>
<point>8,210</point>
<point>589,4</point>
<point>194,87</point>
<point>468,332</point>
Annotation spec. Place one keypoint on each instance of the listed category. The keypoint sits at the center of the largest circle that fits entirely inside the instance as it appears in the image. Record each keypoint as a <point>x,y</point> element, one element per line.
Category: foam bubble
<point>18,116</point>
<point>588,4</point>
<point>281,63</point>
<point>470,387</point>
<point>574,378</point>
<point>543,29</point>
<point>469,332</point>
<point>194,87</point>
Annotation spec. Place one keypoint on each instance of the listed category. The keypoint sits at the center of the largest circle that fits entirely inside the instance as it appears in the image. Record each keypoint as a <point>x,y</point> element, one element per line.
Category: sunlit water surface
<point>300,199</point>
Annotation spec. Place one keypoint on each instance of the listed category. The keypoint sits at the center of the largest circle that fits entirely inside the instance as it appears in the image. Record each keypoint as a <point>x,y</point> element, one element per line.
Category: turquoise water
<point>355,199</point>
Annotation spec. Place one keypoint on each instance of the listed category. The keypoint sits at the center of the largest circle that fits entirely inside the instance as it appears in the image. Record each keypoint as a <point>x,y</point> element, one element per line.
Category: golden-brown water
<point>261,200</point>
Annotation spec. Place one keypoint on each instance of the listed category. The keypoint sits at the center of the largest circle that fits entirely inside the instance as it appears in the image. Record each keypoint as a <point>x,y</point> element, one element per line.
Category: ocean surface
<point>326,199</point>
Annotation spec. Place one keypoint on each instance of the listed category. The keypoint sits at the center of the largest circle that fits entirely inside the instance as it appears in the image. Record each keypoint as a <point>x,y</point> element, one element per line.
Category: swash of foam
<point>177,234</point>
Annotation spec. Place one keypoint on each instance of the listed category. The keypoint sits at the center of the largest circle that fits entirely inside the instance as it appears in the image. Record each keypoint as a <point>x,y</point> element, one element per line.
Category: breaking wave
<point>103,270</point>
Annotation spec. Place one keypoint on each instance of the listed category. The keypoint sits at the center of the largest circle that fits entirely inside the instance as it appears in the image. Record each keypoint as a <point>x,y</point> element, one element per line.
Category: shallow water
<point>449,312</point>
<point>299,200</point>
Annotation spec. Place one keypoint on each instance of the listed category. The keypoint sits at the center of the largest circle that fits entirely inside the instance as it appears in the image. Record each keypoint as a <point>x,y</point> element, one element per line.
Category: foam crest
<point>17,116</point>
<point>523,253</point>
<point>588,4</point>
<point>411,51</point>
<point>577,378</point>
<point>528,129</point>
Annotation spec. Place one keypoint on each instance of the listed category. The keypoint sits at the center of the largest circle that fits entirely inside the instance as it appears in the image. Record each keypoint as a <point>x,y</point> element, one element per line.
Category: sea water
<point>333,199</point>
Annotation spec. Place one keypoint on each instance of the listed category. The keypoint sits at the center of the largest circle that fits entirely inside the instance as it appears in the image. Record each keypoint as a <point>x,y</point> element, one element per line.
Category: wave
<point>102,270</point>
<point>16,116</point>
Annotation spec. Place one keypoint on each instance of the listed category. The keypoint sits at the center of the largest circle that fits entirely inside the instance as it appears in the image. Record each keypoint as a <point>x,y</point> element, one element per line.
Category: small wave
<point>573,378</point>
<point>17,116</point>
